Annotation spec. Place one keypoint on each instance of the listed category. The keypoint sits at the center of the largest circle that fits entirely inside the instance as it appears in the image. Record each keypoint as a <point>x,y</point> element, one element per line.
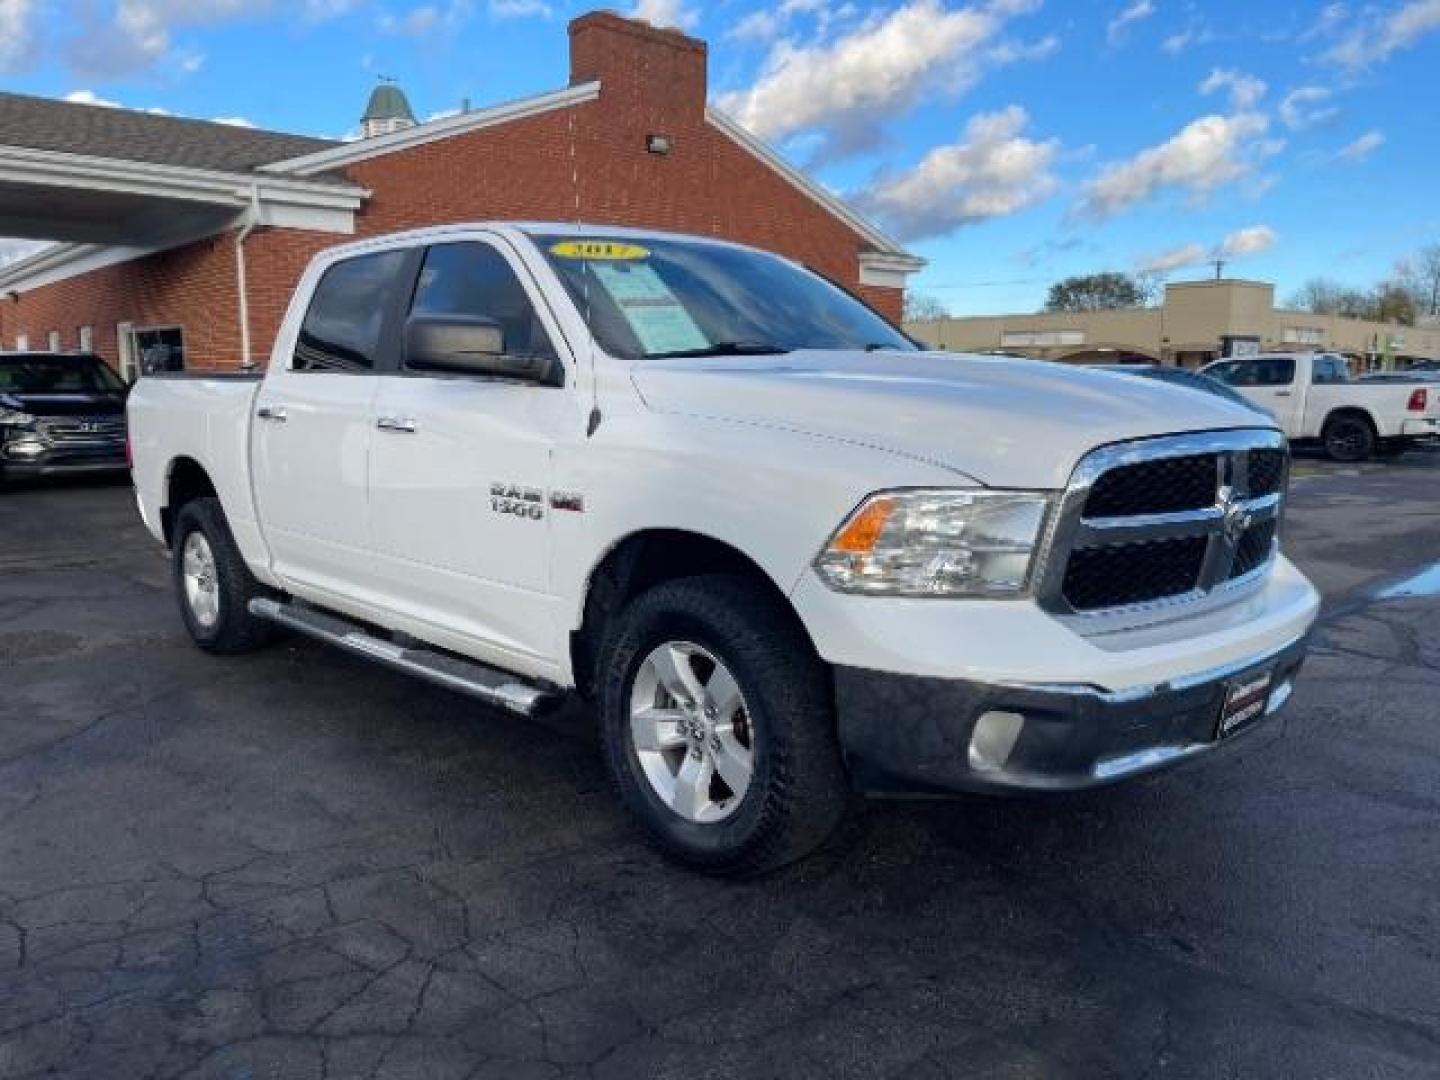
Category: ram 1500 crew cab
<point>785,552</point>
<point>1312,398</point>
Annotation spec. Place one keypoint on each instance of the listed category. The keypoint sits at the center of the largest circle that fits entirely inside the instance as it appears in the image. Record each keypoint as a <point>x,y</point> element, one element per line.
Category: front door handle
<point>396,424</point>
<point>1282,393</point>
<point>272,412</point>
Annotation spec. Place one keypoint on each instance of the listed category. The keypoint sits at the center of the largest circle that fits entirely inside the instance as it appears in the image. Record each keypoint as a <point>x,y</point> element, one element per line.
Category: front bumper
<point>24,458</point>
<point>916,735</point>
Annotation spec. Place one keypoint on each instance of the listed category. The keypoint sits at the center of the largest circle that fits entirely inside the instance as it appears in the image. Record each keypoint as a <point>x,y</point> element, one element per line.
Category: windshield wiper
<point>723,348</point>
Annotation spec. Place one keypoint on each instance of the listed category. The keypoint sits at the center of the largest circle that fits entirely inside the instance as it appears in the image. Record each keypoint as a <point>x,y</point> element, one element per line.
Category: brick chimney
<point>642,65</point>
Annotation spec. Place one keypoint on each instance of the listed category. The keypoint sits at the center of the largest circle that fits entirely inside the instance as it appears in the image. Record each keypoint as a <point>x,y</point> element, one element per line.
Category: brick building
<point>192,234</point>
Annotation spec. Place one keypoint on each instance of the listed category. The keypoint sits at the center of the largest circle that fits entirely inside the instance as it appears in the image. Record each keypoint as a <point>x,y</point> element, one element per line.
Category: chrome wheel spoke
<point>734,761</point>
<point>692,787</point>
<point>672,664</point>
<point>723,693</point>
<point>657,729</point>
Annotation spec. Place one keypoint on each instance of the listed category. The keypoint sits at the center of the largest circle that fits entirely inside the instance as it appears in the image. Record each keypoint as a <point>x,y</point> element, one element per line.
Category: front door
<point>311,434</point>
<point>461,467</point>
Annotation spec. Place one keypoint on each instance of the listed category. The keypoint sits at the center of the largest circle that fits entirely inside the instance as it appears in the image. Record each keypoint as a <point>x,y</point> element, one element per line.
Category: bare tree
<point>1419,274</point>
<point>921,307</point>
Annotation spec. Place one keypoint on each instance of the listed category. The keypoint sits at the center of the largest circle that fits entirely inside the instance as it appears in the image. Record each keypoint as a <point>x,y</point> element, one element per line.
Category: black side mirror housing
<point>471,345</point>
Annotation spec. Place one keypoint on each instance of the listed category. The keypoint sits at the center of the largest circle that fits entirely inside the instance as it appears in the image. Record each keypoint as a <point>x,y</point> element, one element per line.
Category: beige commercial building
<point>1198,321</point>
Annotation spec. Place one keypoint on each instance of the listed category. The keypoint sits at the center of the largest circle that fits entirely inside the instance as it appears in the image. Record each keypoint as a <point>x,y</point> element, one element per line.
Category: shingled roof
<point>37,123</point>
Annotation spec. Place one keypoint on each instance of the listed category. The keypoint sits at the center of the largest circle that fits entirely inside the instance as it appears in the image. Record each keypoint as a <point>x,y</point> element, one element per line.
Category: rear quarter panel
<point>1385,403</point>
<point>208,421</point>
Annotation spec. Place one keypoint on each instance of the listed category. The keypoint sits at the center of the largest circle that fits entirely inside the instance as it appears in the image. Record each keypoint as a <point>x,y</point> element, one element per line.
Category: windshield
<point>658,297</point>
<point>57,375</point>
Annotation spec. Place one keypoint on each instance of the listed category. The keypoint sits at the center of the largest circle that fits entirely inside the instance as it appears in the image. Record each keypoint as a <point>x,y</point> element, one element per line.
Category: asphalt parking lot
<point>291,864</point>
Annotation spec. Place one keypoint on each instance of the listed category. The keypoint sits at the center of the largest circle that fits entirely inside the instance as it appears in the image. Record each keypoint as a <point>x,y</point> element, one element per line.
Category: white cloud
<point>140,33</point>
<point>1380,35</point>
<point>17,33</point>
<point>414,23</point>
<point>1362,147</point>
<point>1204,155</point>
<point>1305,107</point>
<point>992,172</point>
<point>520,9</point>
<point>766,23</point>
<point>1245,90</point>
<point>669,13</point>
<point>849,87</point>
<point>1175,259</point>
<point>1332,18</point>
<point>1242,242</point>
<point>1119,26</point>
<point>1195,33</point>
<point>89,97</point>
<point>1249,241</point>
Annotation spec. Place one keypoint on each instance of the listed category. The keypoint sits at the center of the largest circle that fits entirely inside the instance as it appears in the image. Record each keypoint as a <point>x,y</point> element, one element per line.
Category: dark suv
<point>60,413</point>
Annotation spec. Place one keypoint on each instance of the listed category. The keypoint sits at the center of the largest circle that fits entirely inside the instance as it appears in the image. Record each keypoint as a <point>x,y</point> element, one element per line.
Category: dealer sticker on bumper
<point>1245,701</point>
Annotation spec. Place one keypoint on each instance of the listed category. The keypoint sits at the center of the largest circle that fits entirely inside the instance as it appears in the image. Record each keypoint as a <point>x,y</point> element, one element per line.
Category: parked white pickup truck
<point>1312,398</point>
<point>786,552</point>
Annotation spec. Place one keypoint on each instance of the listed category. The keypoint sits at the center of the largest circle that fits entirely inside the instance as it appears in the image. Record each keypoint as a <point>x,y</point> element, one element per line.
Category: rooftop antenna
<point>1219,268</point>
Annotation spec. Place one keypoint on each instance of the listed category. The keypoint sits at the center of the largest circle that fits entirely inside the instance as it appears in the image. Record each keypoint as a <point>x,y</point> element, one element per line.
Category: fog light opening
<point>994,739</point>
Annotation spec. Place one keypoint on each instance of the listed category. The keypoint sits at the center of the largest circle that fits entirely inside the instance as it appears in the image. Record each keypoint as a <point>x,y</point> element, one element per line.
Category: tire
<point>226,627</point>
<point>796,792</point>
<point>1349,439</point>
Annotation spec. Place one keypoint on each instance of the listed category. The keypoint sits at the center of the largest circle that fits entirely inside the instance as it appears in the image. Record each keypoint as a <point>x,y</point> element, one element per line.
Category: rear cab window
<point>343,326</point>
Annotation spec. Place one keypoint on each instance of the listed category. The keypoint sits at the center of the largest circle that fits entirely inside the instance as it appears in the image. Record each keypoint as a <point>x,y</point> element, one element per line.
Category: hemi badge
<point>567,500</point>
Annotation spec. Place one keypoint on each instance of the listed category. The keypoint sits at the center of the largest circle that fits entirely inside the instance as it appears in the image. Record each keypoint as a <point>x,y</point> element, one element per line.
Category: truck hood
<point>997,421</point>
<point>99,403</point>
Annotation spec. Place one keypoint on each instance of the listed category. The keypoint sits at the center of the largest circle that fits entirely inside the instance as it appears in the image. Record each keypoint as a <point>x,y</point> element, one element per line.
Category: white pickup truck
<point>1312,398</point>
<point>785,552</point>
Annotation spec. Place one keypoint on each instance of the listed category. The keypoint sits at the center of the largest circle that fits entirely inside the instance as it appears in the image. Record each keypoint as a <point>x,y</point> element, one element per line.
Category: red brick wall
<point>588,162</point>
<point>191,286</point>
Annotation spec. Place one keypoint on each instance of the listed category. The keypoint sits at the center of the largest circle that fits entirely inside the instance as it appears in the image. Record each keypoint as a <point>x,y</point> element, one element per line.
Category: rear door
<point>1270,382</point>
<point>312,428</point>
<point>461,468</point>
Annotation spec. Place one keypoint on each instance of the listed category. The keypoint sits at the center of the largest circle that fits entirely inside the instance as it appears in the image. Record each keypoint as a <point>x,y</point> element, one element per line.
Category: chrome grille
<point>76,430</point>
<point>1165,521</point>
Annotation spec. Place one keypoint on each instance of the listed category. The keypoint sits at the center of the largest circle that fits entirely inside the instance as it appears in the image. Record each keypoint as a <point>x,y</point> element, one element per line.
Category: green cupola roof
<point>388,102</point>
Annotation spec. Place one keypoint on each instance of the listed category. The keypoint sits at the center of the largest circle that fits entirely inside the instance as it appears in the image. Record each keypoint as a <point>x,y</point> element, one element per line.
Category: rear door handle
<point>272,412</point>
<point>396,424</point>
<point>1282,393</point>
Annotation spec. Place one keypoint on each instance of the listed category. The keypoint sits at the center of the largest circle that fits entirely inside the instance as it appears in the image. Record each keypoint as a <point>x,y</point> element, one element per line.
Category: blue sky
<point>1010,142</point>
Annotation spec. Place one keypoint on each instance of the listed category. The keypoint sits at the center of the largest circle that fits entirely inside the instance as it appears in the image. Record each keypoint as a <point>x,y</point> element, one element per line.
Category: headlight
<point>15,418</point>
<point>936,543</point>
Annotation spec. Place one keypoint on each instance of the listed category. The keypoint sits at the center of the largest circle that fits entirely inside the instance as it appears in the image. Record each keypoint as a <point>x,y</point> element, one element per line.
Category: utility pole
<point>1219,269</point>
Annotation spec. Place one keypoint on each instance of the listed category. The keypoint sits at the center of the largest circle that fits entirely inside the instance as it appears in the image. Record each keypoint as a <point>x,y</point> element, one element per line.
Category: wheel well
<point>188,481</point>
<point>640,562</point>
<point>1350,413</point>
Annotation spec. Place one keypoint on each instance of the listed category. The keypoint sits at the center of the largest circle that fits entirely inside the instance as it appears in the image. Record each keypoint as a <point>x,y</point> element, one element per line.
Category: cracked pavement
<point>292,864</point>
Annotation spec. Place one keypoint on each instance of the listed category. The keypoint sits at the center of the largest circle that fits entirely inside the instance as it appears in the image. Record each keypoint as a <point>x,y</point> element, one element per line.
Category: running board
<point>490,685</point>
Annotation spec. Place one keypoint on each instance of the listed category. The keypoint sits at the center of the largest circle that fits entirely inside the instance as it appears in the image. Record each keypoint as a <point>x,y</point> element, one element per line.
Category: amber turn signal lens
<point>862,532</point>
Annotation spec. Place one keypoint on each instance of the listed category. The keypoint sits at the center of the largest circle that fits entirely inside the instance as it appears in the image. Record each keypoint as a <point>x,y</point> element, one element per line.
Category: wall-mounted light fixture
<point>13,296</point>
<point>658,144</point>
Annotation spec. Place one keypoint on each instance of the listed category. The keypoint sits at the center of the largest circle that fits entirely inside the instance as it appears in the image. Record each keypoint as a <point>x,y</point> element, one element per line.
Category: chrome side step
<point>490,685</point>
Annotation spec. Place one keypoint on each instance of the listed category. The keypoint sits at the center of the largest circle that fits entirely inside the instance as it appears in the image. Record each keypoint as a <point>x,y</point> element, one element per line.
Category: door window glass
<point>1263,371</point>
<point>1330,369</point>
<point>474,279</point>
<point>341,331</point>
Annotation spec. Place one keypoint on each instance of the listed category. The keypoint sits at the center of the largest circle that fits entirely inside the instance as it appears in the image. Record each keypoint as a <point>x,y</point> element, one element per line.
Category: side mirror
<point>470,345</point>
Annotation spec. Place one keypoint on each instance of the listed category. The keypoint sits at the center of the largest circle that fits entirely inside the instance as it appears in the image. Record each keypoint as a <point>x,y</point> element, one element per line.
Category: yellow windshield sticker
<point>598,250</point>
